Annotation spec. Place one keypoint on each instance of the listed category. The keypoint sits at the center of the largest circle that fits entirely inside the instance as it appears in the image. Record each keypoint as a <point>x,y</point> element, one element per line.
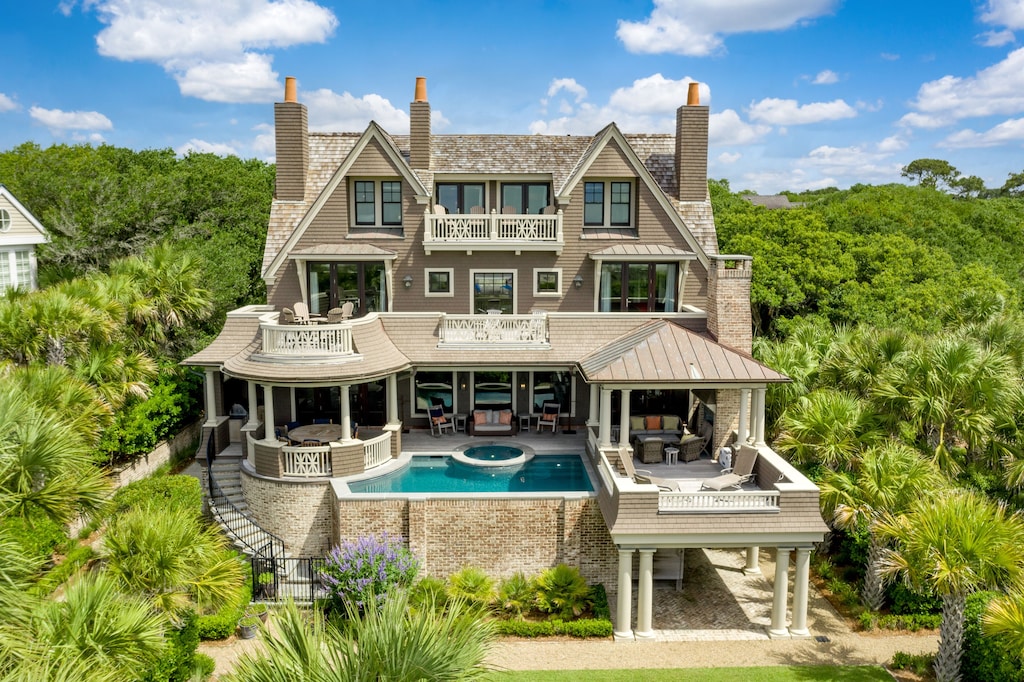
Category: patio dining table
<point>321,432</point>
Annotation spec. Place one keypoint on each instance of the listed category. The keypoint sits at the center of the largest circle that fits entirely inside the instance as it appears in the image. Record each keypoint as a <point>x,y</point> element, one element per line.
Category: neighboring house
<point>20,232</point>
<point>503,271</point>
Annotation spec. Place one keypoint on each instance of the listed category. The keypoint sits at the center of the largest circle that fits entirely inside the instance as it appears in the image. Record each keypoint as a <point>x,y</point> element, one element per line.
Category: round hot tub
<point>492,454</point>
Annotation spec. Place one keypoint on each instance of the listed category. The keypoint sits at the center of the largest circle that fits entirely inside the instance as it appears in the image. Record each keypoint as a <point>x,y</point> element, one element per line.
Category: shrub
<point>363,571</point>
<point>78,557</point>
<point>473,586</point>
<point>599,601</point>
<point>844,592</point>
<point>919,664</point>
<point>169,492</point>
<point>911,621</point>
<point>203,666</point>
<point>221,625</point>
<point>39,536</point>
<point>516,595</point>
<point>582,628</point>
<point>986,658</point>
<point>429,593</point>
<point>562,591</point>
<point>178,661</point>
<point>904,600</point>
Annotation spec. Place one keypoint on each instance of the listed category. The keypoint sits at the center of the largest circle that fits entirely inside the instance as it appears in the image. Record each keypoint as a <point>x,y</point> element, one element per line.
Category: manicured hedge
<point>582,628</point>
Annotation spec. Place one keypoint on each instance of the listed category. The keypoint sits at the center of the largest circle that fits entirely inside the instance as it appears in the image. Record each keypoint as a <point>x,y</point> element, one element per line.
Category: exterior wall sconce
<point>577,281</point>
<point>407,281</point>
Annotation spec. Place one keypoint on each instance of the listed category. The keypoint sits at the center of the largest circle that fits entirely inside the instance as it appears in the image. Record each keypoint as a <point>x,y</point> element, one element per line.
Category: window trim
<point>472,286</point>
<point>451,282</point>
<point>5,220</point>
<point>9,258</point>
<point>455,392</point>
<point>378,202</point>
<point>461,193</point>
<point>675,284</point>
<point>531,386</point>
<point>525,185</point>
<point>607,203</point>
<point>558,282</point>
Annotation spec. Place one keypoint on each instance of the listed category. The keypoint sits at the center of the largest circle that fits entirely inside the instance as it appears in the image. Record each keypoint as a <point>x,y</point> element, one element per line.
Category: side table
<point>460,421</point>
<point>524,422</point>
<point>671,455</point>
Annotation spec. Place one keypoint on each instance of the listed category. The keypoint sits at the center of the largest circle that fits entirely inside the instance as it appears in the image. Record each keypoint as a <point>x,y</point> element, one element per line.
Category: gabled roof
<point>373,132</point>
<point>661,352</point>
<point>42,237</point>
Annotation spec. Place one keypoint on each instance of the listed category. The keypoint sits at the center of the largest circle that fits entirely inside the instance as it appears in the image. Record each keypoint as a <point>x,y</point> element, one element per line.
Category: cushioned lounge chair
<point>742,470</point>
<point>641,476</point>
<point>439,422</point>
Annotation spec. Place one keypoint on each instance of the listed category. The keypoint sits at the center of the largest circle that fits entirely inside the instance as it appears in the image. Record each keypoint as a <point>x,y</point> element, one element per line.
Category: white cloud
<point>264,144</point>
<point>198,41</point>
<point>6,103</point>
<point>655,95</point>
<point>826,77</point>
<point>788,112</point>
<point>889,56</point>
<point>204,147</point>
<point>998,89</point>
<point>330,111</point>
<point>893,143</point>
<point>728,158</point>
<point>776,181</point>
<point>57,120</point>
<point>1008,13</point>
<point>728,129</point>
<point>569,85</point>
<point>1006,133</point>
<point>996,38</point>
<point>860,162</point>
<point>696,27</point>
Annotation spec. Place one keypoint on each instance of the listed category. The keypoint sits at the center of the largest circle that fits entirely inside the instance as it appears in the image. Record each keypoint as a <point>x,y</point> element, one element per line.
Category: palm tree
<point>1005,616</point>
<point>826,427</point>
<point>954,544</point>
<point>53,389</point>
<point>390,643</point>
<point>888,480</point>
<point>173,558</point>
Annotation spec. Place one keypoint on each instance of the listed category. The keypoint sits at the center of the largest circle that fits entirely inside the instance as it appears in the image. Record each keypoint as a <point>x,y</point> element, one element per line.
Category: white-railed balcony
<point>494,331</point>
<point>493,232</point>
<point>296,342</point>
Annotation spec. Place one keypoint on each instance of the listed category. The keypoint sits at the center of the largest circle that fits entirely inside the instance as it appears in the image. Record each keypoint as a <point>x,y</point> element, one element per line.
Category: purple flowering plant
<point>358,572</point>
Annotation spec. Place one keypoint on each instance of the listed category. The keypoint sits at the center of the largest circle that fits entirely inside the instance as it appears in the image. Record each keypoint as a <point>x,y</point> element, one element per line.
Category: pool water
<point>493,453</point>
<point>441,474</point>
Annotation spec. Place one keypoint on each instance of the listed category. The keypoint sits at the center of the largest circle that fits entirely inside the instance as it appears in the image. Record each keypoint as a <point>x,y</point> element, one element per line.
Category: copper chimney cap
<point>289,89</point>
<point>421,89</point>
<point>693,94</point>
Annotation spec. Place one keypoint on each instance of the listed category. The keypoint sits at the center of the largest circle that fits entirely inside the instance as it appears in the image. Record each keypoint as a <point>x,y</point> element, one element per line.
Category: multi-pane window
<point>492,390</point>
<point>15,269</point>
<point>608,204</point>
<point>525,197</point>
<point>638,287</point>
<point>493,292</point>
<point>434,388</point>
<point>439,282</point>
<point>363,284</point>
<point>377,203</point>
<point>460,197</point>
<point>547,282</point>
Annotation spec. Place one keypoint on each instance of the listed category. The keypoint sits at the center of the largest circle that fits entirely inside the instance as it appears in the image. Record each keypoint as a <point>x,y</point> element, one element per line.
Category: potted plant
<point>248,625</point>
<point>258,609</point>
<point>267,585</point>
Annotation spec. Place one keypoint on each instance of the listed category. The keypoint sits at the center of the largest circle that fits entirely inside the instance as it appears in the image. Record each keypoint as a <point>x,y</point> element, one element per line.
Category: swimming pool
<point>442,474</point>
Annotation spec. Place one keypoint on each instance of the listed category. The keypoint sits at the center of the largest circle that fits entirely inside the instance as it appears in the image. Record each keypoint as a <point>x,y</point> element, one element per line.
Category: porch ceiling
<point>663,352</point>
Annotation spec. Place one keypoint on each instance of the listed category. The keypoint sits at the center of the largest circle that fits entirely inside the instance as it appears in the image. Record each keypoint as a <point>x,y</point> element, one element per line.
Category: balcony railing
<point>377,450</point>
<point>493,232</point>
<point>297,340</point>
<point>490,331</point>
<point>711,501</point>
<point>306,462</point>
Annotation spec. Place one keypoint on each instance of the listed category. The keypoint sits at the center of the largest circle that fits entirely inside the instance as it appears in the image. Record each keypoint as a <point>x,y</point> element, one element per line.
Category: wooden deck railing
<point>493,231</point>
<point>377,451</point>
<point>306,462</point>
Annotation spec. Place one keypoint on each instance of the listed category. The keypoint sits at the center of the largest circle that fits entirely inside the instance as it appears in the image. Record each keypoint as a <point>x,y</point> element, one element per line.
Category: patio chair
<point>279,434</point>
<point>691,447</point>
<point>347,309</point>
<point>477,210</point>
<point>651,449</point>
<point>334,316</point>
<point>642,476</point>
<point>323,420</point>
<point>742,471</point>
<point>439,209</point>
<point>310,443</point>
<point>301,313</point>
<point>439,422</point>
<point>548,416</point>
<point>287,316</point>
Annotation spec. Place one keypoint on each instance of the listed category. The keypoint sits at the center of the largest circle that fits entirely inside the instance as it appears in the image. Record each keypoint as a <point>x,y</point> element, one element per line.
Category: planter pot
<point>263,616</point>
<point>247,631</point>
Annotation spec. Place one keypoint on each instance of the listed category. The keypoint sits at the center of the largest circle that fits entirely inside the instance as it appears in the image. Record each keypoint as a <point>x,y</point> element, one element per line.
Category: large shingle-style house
<point>20,233</point>
<point>484,276</point>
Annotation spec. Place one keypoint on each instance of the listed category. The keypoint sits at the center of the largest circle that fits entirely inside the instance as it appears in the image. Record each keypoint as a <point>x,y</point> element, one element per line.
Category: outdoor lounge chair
<point>301,313</point>
<point>439,422</point>
<point>641,476</point>
<point>334,316</point>
<point>548,416</point>
<point>742,470</point>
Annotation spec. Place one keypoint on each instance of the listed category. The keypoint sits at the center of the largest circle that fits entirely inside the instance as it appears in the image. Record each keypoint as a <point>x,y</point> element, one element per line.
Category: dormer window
<point>608,203</point>
<point>377,202</point>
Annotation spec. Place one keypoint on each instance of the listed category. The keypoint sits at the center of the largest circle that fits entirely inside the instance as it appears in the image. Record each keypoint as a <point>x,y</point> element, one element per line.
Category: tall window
<point>608,204</point>
<point>15,269</point>
<point>493,292</point>
<point>525,197</point>
<point>551,387</point>
<point>333,284</point>
<point>460,197</point>
<point>377,203</point>
<point>492,390</point>
<point>434,388</point>
<point>638,287</point>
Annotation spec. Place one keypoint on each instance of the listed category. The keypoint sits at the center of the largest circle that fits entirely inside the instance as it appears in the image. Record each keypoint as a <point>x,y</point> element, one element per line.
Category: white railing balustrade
<point>606,471</point>
<point>482,230</point>
<point>377,451</point>
<point>512,330</point>
<point>309,339</point>
<point>308,462</point>
<point>713,501</point>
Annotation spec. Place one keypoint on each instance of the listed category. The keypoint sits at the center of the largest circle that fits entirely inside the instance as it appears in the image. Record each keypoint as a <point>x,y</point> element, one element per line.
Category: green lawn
<point>796,673</point>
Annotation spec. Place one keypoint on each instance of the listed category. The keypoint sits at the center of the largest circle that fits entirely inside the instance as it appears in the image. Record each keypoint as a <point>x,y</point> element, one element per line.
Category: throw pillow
<point>670,422</point>
<point>652,423</point>
<point>636,423</point>
<point>505,417</point>
<point>439,420</point>
<point>480,416</point>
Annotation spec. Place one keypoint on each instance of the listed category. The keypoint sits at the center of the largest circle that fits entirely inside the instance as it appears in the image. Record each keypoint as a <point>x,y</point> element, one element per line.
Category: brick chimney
<point>419,127</point>
<point>729,319</point>
<point>291,136</point>
<point>692,147</point>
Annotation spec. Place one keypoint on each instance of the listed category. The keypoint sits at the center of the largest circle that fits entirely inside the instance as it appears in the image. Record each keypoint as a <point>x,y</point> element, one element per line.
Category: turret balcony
<point>316,340</point>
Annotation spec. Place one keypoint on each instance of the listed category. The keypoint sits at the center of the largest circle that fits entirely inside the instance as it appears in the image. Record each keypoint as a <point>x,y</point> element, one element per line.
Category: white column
<point>800,582</point>
<point>211,396</point>
<point>624,418</point>
<point>595,406</point>
<point>253,417</point>
<point>744,425</point>
<point>752,567</point>
<point>624,602</point>
<point>268,411</point>
<point>294,405</point>
<point>645,595</point>
<point>606,417</point>
<point>392,389</point>
<point>781,594</point>
<point>346,415</point>
<point>759,416</point>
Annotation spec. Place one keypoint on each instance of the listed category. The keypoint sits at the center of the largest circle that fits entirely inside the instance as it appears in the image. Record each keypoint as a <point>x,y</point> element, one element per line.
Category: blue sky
<point>803,93</point>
